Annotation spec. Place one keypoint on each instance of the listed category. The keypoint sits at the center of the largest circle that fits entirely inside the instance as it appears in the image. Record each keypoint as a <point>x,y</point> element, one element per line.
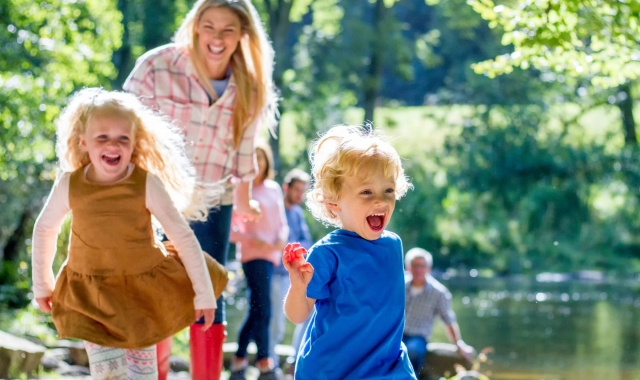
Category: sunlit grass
<point>421,131</point>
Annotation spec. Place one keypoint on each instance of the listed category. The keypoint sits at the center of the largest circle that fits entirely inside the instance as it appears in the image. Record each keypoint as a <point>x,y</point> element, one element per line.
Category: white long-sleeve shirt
<point>158,202</point>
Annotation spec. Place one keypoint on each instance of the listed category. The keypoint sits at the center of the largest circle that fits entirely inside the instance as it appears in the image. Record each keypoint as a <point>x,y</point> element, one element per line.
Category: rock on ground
<point>18,355</point>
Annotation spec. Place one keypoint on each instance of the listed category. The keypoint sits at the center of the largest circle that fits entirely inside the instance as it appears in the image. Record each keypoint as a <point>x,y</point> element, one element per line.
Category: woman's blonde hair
<point>348,151</point>
<point>268,154</point>
<point>158,146</point>
<point>251,64</point>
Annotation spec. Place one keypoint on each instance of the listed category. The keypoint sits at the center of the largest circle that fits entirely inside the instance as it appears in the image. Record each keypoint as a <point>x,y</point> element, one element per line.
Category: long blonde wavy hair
<point>159,146</point>
<point>251,64</point>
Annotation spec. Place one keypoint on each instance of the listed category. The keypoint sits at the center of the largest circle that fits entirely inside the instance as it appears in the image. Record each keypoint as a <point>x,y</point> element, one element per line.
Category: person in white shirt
<point>426,299</point>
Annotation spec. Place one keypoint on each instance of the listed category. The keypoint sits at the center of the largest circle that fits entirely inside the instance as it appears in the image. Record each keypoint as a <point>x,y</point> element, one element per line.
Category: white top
<point>158,202</point>
<point>415,290</point>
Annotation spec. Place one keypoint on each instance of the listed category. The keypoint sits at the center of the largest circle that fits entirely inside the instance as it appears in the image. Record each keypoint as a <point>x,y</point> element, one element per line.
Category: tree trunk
<point>122,57</point>
<point>157,22</point>
<point>374,72</point>
<point>628,122</point>
<point>279,25</point>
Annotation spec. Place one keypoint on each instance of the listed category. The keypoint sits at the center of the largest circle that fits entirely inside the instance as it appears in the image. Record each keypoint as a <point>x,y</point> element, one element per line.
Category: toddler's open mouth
<point>376,221</point>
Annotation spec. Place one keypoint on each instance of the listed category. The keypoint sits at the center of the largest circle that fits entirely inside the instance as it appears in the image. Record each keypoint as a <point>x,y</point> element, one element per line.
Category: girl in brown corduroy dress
<point>119,290</point>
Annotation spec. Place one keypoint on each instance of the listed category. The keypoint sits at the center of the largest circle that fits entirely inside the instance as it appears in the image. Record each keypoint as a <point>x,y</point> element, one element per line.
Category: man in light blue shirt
<point>294,186</point>
<point>426,300</point>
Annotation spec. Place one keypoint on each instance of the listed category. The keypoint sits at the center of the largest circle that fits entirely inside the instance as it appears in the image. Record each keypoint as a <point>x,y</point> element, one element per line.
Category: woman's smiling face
<point>219,32</point>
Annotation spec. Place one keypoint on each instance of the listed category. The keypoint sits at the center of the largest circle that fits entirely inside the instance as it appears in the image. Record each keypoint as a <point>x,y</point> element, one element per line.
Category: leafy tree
<point>48,49</point>
<point>285,21</point>
<point>358,39</point>
<point>387,48</point>
<point>594,39</point>
<point>146,24</point>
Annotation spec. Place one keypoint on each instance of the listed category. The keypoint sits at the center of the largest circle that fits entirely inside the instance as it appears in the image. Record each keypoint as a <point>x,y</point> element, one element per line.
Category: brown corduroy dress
<point>118,288</point>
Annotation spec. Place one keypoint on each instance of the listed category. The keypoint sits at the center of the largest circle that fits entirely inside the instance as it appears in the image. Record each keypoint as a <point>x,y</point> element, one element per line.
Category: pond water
<point>541,330</point>
<point>571,330</point>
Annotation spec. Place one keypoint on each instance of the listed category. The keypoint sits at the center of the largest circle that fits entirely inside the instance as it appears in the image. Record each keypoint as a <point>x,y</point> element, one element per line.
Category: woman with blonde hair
<point>215,82</point>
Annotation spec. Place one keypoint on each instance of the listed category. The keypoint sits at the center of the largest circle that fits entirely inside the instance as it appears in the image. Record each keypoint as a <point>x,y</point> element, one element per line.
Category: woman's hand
<point>208,315</point>
<point>44,303</point>
<point>300,271</point>
<point>250,211</point>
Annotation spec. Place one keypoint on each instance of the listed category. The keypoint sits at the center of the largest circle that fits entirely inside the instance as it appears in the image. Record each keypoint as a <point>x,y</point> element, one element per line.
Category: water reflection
<point>558,330</point>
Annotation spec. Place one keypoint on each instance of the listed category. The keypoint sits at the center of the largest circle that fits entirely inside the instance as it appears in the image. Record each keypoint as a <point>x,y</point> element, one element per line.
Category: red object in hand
<point>293,251</point>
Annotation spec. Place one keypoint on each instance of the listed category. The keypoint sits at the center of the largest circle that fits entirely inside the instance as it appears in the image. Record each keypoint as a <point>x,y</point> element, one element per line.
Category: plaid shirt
<point>165,80</point>
<point>422,309</point>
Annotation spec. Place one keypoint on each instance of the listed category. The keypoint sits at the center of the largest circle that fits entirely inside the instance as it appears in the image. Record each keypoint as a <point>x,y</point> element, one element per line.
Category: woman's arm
<point>244,170</point>
<point>45,239</point>
<point>141,82</point>
<point>245,165</point>
<point>243,203</point>
<point>283,232</point>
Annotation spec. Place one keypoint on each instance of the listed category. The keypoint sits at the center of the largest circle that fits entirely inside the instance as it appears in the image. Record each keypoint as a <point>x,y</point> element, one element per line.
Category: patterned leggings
<point>107,363</point>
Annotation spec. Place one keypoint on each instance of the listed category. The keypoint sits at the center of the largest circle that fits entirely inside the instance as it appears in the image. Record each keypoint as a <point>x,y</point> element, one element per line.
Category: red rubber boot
<point>163,352</point>
<point>206,351</point>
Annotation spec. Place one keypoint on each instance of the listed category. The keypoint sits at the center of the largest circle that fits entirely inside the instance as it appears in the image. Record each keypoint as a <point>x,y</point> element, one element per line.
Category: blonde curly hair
<point>159,146</point>
<point>347,151</point>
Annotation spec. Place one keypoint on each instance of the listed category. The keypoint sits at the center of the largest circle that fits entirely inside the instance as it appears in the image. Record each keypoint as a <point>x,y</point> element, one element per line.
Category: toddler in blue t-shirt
<point>352,283</point>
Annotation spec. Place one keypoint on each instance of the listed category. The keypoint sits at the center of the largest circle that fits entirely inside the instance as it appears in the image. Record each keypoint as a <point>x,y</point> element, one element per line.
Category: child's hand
<point>44,304</point>
<point>293,252</point>
<point>208,315</point>
<point>300,271</point>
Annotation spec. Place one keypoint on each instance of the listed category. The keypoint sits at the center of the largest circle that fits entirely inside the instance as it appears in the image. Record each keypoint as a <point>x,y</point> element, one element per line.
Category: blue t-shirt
<point>356,329</point>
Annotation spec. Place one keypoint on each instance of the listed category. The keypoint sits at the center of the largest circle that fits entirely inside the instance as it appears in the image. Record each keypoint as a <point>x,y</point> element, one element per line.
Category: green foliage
<point>313,89</point>
<point>593,39</point>
<point>517,189</point>
<point>30,322</point>
<point>513,182</point>
<point>513,197</point>
<point>48,49</point>
<point>330,64</point>
<point>16,295</point>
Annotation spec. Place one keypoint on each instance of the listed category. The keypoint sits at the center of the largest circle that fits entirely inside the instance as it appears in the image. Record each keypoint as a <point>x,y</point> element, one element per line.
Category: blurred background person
<point>259,245</point>
<point>426,299</point>
<point>294,186</point>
